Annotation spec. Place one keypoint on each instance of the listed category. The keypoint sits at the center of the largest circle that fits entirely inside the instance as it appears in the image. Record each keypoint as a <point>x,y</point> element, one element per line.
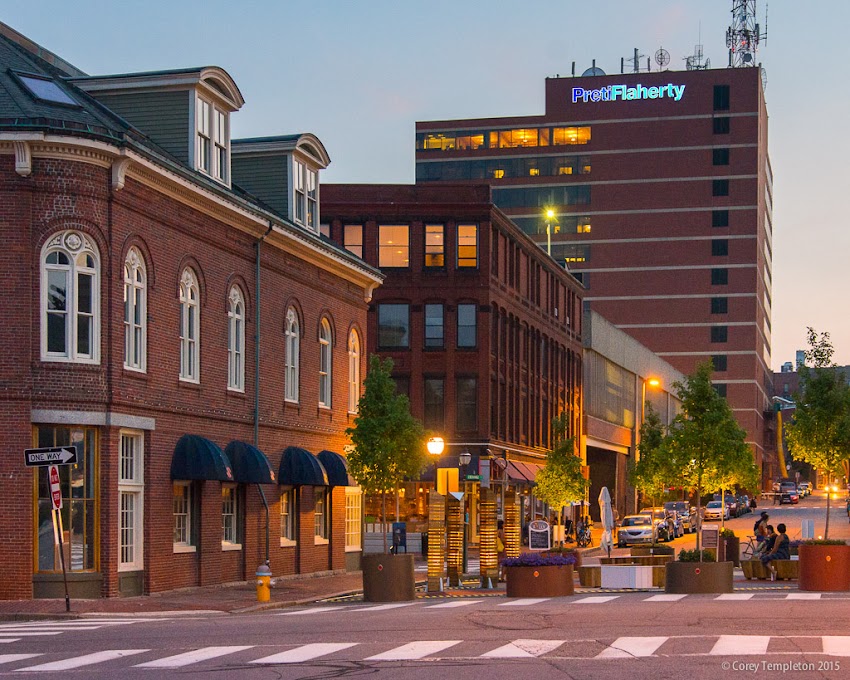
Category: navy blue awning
<point>337,469</point>
<point>299,467</point>
<point>198,458</point>
<point>250,465</point>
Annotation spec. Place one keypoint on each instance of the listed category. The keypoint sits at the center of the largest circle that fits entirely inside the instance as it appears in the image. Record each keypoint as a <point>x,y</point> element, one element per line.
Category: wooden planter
<point>644,551</point>
<point>824,567</point>
<point>549,581</point>
<point>754,569</point>
<point>388,578</point>
<point>698,577</point>
<point>732,549</point>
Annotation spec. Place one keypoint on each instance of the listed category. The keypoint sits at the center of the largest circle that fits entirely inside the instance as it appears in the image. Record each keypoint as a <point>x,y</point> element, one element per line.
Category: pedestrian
<point>753,504</point>
<point>781,551</point>
<point>500,545</point>
<point>766,545</point>
<point>848,508</point>
<point>760,528</point>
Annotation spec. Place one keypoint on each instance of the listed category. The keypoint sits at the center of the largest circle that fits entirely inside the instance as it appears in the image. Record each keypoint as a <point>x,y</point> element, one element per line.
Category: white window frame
<point>292,334</point>
<point>321,515</point>
<point>187,493</point>
<point>353,519</point>
<point>212,139</point>
<point>288,524</point>
<point>190,327</point>
<point>299,212</point>
<point>203,145</point>
<point>76,248</point>
<point>353,372</point>
<point>325,364</point>
<point>135,312</point>
<point>230,495</point>
<point>236,340</point>
<point>131,488</point>
<point>305,195</point>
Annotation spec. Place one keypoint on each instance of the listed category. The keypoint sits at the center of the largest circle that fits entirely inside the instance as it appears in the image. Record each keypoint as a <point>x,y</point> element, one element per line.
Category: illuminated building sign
<point>612,93</point>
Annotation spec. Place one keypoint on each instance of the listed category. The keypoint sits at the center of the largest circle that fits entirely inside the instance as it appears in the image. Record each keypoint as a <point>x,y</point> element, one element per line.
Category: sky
<point>359,74</point>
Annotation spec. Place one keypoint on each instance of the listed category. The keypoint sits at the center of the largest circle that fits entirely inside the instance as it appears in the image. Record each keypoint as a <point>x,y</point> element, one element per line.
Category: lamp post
<point>550,215</point>
<point>464,459</point>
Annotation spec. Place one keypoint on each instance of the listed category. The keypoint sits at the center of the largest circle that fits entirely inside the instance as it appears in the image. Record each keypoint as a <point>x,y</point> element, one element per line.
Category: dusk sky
<point>359,74</point>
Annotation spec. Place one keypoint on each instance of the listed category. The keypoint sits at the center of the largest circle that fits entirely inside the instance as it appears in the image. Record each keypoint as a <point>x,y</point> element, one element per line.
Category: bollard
<point>264,577</point>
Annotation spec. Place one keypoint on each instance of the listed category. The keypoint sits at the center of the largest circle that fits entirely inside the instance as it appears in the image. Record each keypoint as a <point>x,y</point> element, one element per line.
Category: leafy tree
<point>649,474</point>
<point>560,481</point>
<point>706,447</point>
<point>388,442</point>
<point>820,433</point>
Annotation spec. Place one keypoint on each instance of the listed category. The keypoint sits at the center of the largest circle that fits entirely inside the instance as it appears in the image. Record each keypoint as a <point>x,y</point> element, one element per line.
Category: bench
<point>626,576</point>
<point>785,569</point>
<point>591,576</point>
<point>643,560</point>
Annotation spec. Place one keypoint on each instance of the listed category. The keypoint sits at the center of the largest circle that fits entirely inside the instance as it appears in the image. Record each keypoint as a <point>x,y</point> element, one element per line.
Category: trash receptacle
<point>424,543</point>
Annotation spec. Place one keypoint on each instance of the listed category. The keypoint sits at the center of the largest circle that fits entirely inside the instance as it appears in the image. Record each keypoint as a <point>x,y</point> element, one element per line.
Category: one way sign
<point>55,455</point>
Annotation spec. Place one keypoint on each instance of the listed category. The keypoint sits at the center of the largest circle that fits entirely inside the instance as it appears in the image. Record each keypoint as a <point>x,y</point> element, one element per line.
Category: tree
<point>706,447</point>
<point>388,442</point>
<point>560,481</point>
<point>820,433</point>
<point>649,474</point>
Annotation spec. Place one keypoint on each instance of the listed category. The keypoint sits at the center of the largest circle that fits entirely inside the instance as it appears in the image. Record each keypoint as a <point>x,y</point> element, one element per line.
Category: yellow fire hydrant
<point>264,578</point>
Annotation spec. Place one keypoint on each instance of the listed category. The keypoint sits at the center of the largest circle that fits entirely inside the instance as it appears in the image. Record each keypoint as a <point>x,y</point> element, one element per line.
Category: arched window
<point>190,326</point>
<point>292,334</point>
<point>236,340</point>
<point>135,312</point>
<point>325,364</point>
<point>353,371</point>
<point>70,300</point>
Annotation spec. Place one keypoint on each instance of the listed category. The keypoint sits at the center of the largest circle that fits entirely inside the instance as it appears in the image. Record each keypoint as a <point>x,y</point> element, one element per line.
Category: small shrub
<point>661,549</point>
<point>819,541</point>
<point>727,533</point>
<point>534,559</point>
<point>693,556</point>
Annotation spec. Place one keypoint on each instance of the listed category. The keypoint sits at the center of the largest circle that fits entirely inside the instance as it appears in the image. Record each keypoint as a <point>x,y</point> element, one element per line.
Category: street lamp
<point>436,445</point>
<point>550,215</point>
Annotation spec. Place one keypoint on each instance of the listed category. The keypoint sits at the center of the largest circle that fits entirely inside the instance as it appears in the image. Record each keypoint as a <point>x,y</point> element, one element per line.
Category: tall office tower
<point>655,190</point>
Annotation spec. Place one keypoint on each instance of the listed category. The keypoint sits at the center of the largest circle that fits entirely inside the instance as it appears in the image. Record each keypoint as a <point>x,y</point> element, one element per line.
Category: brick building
<point>484,330</point>
<point>661,191</point>
<point>172,327</point>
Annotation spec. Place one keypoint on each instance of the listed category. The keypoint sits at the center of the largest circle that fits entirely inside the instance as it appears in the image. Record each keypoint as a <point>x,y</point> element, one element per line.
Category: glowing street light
<point>550,215</point>
<point>436,445</point>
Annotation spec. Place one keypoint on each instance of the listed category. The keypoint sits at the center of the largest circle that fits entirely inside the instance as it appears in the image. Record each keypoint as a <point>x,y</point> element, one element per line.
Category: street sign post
<point>51,455</point>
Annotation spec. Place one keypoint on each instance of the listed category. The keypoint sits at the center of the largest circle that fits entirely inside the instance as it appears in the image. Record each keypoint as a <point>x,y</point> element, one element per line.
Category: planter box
<point>754,569</point>
<point>626,576</point>
<point>698,577</point>
<point>388,578</point>
<point>549,581</point>
<point>590,577</point>
<point>732,550</point>
<point>824,568</point>
<point>644,550</point>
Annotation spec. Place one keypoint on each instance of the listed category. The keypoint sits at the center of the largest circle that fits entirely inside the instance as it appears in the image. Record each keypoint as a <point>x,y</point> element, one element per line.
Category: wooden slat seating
<point>644,560</point>
<point>785,569</point>
<point>591,576</point>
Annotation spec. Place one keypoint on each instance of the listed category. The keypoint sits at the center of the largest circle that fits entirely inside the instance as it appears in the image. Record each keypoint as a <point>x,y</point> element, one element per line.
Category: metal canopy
<point>198,458</point>
<point>337,468</point>
<point>299,467</point>
<point>250,465</point>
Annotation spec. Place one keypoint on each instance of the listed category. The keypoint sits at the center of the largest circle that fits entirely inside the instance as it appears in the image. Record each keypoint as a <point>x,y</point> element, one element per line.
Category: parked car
<point>744,501</point>
<point>716,510</point>
<point>805,488</point>
<point>686,512</point>
<point>669,526</point>
<point>789,493</point>
<point>635,529</point>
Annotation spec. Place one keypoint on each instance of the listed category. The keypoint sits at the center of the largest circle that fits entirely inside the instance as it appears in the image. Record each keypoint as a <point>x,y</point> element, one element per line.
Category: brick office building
<point>158,317</point>
<point>662,192</point>
<point>483,328</point>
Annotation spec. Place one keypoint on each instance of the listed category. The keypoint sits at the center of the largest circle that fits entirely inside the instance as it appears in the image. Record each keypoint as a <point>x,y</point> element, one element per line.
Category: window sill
<point>230,547</point>
<point>287,543</point>
<point>234,392</point>
<point>353,548</point>
<point>324,407</point>
<point>185,548</point>
<point>191,384</point>
<point>317,540</point>
<point>130,568</point>
<point>136,372</point>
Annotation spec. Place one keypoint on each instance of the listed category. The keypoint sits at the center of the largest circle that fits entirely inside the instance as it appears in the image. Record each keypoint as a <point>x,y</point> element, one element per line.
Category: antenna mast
<point>744,35</point>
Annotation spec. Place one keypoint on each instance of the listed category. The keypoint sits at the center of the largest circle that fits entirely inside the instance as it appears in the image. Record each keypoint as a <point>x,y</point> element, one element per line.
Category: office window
<point>352,238</point>
<point>135,314</point>
<point>721,97</point>
<point>435,246</point>
<point>466,400</point>
<point>720,187</point>
<point>353,517</point>
<point>292,369</point>
<point>719,218</point>
<point>720,389</point>
<point>402,385</point>
<point>719,333</point>
<point>720,156</point>
<point>321,515</point>
<point>190,327</point>
<point>393,326</point>
<point>467,325</point>
<point>70,304</point>
<point>131,487</point>
<point>353,372</point>
<point>183,517</point>
<point>719,361</point>
<point>325,364</point>
<point>721,125</point>
<point>719,277</point>
<point>435,398</point>
<point>236,340</point>
<point>467,245</point>
<point>720,247</point>
<point>287,517</point>
<point>434,326</point>
<point>230,510</point>
<point>393,246</point>
<point>719,305</point>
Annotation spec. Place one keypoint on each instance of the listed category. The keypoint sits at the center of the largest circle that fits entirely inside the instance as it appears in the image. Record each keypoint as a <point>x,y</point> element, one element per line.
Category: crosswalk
<point>631,647</point>
<point>14,632</point>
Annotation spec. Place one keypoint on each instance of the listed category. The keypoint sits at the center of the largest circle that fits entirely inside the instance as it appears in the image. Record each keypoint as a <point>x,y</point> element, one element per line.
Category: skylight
<point>46,90</point>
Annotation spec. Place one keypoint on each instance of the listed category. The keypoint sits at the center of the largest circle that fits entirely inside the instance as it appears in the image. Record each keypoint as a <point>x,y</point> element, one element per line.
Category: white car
<point>716,510</point>
<point>634,529</point>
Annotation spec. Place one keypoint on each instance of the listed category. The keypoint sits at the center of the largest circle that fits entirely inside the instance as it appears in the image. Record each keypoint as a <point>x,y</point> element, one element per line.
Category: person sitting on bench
<point>781,551</point>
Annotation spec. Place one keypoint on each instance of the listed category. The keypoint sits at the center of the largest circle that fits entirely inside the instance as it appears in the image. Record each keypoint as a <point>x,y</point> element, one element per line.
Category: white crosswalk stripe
<point>84,660</point>
<point>195,656</point>
<point>803,596</point>
<point>2,640</point>
<point>306,652</point>
<point>632,647</point>
<point>11,658</point>
<point>29,633</point>
<point>735,645</point>
<point>596,599</point>
<point>524,601</point>
<point>453,604</point>
<point>384,607</point>
<point>314,610</point>
<point>524,649</point>
<point>836,645</point>
<point>665,597</point>
<point>735,596</point>
<point>414,650</point>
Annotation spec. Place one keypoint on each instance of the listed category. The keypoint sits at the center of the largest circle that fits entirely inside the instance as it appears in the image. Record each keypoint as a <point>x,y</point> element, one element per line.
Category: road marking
<point>524,649</point>
<point>632,647</point>
<point>414,650</point>
<point>85,660</point>
<point>195,656</point>
<point>836,645</point>
<point>732,645</point>
<point>313,610</point>
<point>306,652</point>
<point>803,596</point>
<point>383,607</point>
<point>450,605</point>
<point>596,599</point>
<point>735,596</point>
<point>665,597</point>
<point>11,658</point>
<point>27,633</point>
<point>38,630</point>
<point>9,640</point>
<point>523,602</point>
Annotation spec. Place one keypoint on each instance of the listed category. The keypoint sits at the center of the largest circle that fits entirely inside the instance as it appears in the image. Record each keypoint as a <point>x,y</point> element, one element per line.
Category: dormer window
<point>306,196</point>
<point>212,141</point>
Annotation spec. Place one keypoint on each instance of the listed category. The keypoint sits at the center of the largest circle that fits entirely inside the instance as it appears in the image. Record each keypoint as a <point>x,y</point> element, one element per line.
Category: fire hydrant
<point>264,578</point>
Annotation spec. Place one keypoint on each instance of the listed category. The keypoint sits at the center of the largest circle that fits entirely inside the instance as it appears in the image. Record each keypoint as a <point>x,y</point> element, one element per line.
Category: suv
<point>686,512</point>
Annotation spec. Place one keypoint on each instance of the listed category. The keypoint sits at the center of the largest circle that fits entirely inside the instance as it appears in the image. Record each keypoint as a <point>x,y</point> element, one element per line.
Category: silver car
<point>635,529</point>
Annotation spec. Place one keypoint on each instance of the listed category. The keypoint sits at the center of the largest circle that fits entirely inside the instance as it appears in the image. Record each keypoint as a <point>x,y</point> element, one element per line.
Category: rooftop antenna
<point>634,61</point>
<point>696,62</point>
<point>662,58</point>
<point>744,34</point>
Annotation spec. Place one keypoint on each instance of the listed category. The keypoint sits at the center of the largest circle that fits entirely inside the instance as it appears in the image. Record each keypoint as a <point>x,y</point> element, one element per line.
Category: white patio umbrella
<point>606,512</point>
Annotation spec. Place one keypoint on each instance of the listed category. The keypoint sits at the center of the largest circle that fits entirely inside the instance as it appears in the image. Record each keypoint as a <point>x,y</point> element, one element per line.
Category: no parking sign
<point>55,491</point>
